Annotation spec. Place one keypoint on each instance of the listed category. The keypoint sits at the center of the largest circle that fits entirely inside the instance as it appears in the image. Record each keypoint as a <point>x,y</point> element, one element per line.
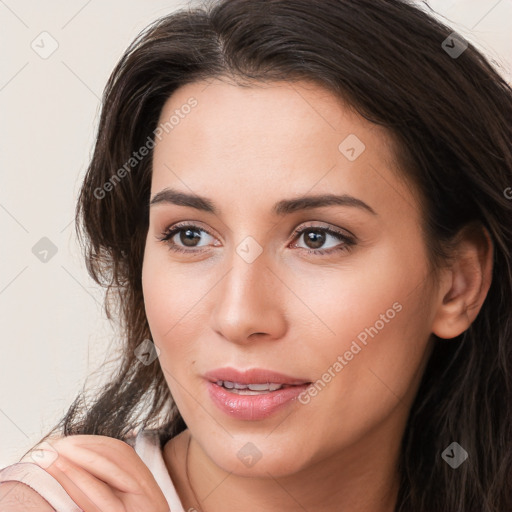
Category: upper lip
<point>252,376</point>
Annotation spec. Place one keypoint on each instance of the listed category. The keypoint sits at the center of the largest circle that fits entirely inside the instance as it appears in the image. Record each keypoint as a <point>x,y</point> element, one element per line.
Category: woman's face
<point>346,304</point>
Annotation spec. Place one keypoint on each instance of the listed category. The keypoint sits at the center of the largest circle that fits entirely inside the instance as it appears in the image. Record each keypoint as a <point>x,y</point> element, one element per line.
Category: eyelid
<point>172,229</point>
<point>346,237</point>
<point>339,231</point>
<point>194,224</point>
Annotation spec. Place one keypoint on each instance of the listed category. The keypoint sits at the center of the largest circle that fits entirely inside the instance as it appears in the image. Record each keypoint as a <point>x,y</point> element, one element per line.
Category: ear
<point>465,283</point>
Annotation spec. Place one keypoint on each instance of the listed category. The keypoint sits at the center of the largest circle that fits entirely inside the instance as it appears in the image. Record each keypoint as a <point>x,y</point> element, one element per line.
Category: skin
<point>15,495</point>
<point>246,148</point>
<point>99,473</point>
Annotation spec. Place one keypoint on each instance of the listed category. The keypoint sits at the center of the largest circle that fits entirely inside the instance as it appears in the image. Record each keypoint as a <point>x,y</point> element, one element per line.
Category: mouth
<point>251,389</point>
<point>254,379</point>
<point>252,394</point>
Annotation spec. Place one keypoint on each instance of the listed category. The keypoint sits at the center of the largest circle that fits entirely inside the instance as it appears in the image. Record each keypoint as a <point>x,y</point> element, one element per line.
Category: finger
<point>101,442</point>
<point>89,493</point>
<point>102,467</point>
<point>118,452</point>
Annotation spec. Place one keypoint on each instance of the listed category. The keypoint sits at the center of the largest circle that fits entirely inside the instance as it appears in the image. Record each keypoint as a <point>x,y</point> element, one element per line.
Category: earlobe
<point>466,283</point>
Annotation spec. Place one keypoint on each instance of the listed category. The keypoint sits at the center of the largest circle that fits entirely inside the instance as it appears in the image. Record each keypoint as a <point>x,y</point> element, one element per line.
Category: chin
<point>257,455</point>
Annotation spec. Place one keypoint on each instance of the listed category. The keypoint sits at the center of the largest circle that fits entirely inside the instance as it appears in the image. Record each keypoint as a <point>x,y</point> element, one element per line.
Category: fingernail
<point>43,456</point>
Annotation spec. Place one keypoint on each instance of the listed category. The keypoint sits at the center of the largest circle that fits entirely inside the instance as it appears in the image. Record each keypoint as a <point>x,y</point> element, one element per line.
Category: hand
<point>103,474</point>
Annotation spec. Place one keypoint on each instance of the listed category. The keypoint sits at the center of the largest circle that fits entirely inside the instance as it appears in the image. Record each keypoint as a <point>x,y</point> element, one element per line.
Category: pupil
<point>316,237</point>
<point>187,233</point>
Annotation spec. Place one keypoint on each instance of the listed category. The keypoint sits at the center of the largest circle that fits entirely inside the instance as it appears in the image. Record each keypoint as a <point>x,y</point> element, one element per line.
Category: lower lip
<point>253,407</point>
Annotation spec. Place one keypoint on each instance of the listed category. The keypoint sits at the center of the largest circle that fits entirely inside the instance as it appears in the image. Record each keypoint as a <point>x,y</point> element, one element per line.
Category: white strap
<point>147,447</point>
<point>42,482</point>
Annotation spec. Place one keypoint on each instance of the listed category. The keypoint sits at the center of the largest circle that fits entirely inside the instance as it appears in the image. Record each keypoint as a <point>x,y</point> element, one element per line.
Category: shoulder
<point>17,496</point>
<point>28,482</point>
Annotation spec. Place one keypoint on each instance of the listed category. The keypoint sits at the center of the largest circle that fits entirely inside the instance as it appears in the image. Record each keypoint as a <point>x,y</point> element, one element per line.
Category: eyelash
<point>348,242</point>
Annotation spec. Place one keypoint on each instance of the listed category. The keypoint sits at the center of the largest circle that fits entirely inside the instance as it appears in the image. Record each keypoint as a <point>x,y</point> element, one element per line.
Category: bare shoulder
<point>18,497</point>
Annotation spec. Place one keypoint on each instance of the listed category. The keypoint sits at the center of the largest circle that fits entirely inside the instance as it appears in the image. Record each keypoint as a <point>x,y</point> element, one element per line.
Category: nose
<point>250,303</point>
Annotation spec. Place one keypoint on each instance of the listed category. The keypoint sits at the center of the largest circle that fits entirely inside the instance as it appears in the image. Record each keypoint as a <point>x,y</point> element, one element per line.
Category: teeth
<point>264,387</point>
<point>249,389</point>
<point>247,392</point>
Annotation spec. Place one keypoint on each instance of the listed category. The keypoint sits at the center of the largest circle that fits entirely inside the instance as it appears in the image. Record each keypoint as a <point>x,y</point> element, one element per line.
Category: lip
<point>253,407</point>
<point>252,376</point>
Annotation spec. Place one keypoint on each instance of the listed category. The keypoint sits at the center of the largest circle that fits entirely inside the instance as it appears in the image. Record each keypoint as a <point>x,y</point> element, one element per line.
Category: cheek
<point>351,297</point>
<point>168,299</point>
<point>375,331</point>
<point>168,291</point>
<point>174,300</point>
<point>363,384</point>
<point>157,294</point>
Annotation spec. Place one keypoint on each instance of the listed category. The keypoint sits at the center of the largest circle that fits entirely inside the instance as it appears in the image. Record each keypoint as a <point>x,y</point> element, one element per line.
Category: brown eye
<point>189,237</point>
<point>315,239</point>
<point>186,235</point>
<point>181,237</point>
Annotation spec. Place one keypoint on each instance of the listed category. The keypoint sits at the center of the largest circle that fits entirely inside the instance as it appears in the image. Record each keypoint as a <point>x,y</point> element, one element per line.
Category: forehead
<point>304,115</point>
<point>269,137</point>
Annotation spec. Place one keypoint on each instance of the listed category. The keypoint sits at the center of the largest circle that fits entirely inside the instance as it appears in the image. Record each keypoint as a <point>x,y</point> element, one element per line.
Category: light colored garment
<point>146,445</point>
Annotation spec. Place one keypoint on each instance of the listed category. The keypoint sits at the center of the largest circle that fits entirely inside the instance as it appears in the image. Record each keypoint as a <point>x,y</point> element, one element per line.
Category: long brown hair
<point>450,116</point>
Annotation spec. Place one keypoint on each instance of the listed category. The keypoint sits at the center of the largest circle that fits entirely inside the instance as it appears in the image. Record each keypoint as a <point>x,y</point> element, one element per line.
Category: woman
<point>300,212</point>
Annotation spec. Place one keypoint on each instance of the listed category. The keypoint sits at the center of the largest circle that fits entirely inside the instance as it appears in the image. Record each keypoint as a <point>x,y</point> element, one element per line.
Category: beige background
<point>54,333</point>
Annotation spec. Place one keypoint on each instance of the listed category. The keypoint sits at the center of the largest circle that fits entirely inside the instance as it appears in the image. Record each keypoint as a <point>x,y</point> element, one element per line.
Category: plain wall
<point>55,330</point>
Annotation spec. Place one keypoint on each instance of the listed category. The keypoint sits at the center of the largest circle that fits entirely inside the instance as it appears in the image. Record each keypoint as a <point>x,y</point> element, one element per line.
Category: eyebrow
<point>283,207</point>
